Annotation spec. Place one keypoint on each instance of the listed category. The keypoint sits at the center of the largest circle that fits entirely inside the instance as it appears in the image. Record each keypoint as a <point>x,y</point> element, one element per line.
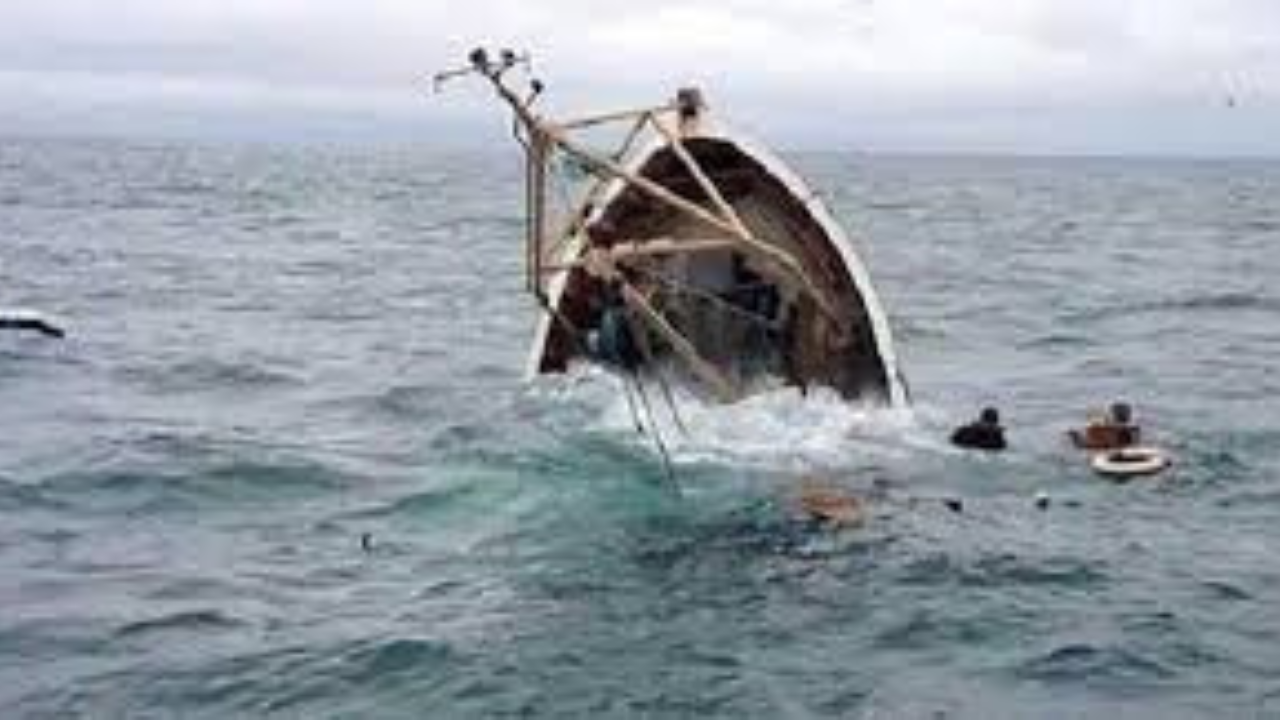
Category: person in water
<point>985,433</point>
<point>1113,431</point>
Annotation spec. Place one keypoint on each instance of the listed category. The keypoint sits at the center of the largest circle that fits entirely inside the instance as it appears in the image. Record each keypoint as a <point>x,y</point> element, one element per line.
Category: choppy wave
<point>196,621</point>
<point>151,488</point>
<point>1178,306</point>
<point>212,375</point>
<point>1077,662</point>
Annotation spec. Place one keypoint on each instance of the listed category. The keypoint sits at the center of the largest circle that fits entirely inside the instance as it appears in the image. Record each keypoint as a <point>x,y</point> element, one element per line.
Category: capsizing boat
<point>690,250</point>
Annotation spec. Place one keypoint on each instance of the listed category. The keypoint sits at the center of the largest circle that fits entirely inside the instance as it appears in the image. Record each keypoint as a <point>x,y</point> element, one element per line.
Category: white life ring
<point>1131,462</point>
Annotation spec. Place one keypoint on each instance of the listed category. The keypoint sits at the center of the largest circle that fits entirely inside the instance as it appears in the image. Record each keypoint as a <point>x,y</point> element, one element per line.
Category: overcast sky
<point>1103,76</point>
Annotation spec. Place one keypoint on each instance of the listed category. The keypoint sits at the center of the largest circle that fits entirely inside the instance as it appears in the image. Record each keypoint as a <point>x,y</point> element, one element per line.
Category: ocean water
<point>276,350</point>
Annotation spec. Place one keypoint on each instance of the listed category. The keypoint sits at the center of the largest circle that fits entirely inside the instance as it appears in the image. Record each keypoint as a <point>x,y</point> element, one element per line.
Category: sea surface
<point>275,351</point>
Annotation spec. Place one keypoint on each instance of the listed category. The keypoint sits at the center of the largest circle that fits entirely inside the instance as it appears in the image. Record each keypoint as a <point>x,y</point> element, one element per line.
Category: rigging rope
<point>671,402</point>
<point>655,432</point>
<point>631,407</point>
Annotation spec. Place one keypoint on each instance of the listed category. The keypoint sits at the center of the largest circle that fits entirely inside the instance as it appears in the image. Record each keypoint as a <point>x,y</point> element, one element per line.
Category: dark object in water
<point>21,320</point>
<point>1042,501</point>
<point>955,505</point>
<point>366,542</point>
<point>985,433</point>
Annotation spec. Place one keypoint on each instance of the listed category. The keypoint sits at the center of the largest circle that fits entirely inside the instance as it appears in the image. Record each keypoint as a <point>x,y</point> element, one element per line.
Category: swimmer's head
<point>1121,412</point>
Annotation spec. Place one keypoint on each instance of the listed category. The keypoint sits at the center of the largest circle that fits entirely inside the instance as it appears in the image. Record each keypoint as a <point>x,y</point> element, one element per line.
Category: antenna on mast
<point>481,62</point>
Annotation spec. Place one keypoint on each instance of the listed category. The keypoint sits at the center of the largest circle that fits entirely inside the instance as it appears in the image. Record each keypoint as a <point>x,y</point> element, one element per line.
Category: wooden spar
<point>629,249</point>
<point>708,188</point>
<point>705,371</point>
<point>538,154</point>
<point>584,206</point>
<point>530,239</point>
<point>605,118</point>
<point>668,246</point>
<point>636,128</point>
<point>731,216</point>
<point>649,187</point>
<point>765,251</point>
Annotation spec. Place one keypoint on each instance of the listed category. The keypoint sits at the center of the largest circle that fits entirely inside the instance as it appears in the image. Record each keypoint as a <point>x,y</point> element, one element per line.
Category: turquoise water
<point>276,350</point>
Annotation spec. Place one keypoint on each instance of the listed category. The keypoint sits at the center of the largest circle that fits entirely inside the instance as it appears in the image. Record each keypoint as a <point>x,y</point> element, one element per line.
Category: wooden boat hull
<point>706,290</point>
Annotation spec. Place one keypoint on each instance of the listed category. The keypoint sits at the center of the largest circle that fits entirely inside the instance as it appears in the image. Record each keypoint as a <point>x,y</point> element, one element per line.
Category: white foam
<point>774,429</point>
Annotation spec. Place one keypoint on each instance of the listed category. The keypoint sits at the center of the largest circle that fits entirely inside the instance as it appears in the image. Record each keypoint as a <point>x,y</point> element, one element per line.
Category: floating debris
<point>30,320</point>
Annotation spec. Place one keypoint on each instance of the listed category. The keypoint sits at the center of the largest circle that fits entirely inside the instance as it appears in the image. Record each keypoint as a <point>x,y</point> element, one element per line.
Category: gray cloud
<point>950,74</point>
